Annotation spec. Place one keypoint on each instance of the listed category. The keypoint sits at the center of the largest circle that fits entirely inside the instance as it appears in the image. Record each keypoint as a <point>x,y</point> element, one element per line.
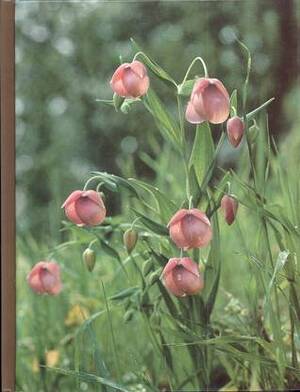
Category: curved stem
<point>89,181</point>
<point>137,54</point>
<point>191,65</point>
<point>134,222</point>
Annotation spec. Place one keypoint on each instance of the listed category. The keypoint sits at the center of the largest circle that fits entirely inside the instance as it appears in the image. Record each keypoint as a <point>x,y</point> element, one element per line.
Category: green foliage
<point>118,328</point>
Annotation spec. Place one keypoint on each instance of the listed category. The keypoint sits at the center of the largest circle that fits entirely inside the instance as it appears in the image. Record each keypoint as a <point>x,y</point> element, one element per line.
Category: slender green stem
<point>89,181</point>
<point>191,66</point>
<point>118,371</point>
<point>183,147</point>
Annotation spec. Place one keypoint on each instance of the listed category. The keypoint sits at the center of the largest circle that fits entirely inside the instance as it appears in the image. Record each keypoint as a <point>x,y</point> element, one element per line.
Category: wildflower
<point>229,206</point>
<point>76,315</point>
<point>190,229</point>
<point>209,101</point>
<point>44,278</point>
<point>130,80</point>
<point>235,129</point>
<point>181,276</point>
<point>85,208</point>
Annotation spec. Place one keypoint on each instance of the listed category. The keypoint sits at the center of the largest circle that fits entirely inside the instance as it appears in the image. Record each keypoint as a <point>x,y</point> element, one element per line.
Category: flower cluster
<point>188,228</point>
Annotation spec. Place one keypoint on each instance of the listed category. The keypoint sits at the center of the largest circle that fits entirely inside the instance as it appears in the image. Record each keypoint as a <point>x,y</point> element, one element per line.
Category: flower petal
<point>72,197</point>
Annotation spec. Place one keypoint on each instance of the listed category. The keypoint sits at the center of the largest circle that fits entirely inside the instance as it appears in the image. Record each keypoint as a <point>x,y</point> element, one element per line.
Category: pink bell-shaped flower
<point>181,276</point>
<point>85,208</point>
<point>44,278</point>
<point>235,130</point>
<point>190,229</point>
<point>229,206</point>
<point>209,101</point>
<point>130,80</point>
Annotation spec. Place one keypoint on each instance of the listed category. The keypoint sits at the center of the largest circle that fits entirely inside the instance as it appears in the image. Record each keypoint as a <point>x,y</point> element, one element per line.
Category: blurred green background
<point>66,54</point>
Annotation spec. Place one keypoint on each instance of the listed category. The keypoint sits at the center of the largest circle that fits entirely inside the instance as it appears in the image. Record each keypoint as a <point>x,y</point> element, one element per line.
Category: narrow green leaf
<point>203,151</point>
<point>152,225</point>
<point>124,293</point>
<point>154,67</point>
<point>87,377</point>
<point>118,101</point>
<point>233,104</point>
<point>186,88</point>
<point>166,124</point>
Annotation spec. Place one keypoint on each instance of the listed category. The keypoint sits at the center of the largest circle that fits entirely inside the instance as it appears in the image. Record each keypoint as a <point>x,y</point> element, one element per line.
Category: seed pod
<point>89,259</point>
<point>130,238</point>
<point>147,267</point>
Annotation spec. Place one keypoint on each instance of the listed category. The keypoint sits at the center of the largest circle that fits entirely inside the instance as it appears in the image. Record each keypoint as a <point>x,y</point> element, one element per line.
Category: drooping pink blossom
<point>130,80</point>
<point>85,208</point>
<point>190,229</point>
<point>209,101</point>
<point>181,276</point>
<point>44,278</point>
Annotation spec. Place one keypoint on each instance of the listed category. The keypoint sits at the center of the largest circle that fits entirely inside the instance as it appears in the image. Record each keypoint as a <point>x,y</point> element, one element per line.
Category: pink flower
<point>44,278</point>
<point>85,208</point>
<point>190,229</point>
<point>130,80</point>
<point>229,206</point>
<point>235,130</point>
<point>209,102</point>
<point>181,277</point>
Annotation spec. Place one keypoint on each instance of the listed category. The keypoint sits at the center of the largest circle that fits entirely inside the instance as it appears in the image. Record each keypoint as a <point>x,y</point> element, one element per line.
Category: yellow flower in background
<point>76,315</point>
<point>52,357</point>
<point>35,365</point>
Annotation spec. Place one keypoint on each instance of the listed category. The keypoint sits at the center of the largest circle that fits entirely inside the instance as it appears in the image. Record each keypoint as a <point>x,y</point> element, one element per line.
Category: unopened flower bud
<point>89,259</point>
<point>128,315</point>
<point>209,102</point>
<point>229,206</point>
<point>130,80</point>
<point>190,229</point>
<point>130,238</point>
<point>235,130</point>
<point>181,276</point>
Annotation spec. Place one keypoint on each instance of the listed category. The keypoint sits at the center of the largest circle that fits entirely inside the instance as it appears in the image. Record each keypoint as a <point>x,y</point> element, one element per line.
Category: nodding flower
<point>209,101</point>
<point>44,278</point>
<point>190,229</point>
<point>130,80</point>
<point>181,276</point>
<point>85,208</point>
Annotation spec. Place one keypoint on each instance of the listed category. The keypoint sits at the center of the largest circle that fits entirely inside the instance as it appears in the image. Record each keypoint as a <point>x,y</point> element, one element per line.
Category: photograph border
<point>8,224</point>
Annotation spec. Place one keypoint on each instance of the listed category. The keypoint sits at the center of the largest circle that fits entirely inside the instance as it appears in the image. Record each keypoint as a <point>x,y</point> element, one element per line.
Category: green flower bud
<point>147,267</point>
<point>130,238</point>
<point>89,259</point>
<point>128,315</point>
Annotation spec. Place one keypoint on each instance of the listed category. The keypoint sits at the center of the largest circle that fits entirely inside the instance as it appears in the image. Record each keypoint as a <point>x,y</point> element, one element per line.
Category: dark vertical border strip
<point>8,253</point>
